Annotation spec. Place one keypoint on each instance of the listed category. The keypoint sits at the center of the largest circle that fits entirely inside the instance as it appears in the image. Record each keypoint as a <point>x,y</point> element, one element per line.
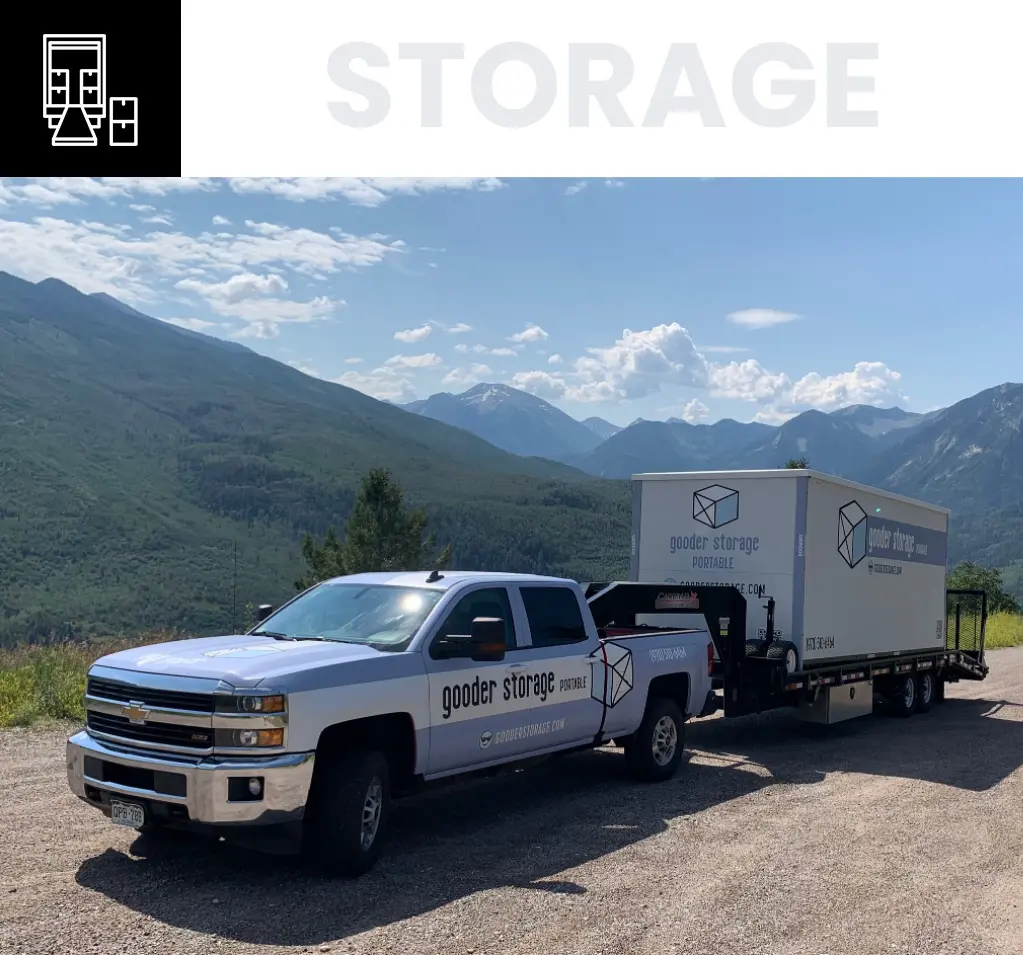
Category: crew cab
<point>367,687</point>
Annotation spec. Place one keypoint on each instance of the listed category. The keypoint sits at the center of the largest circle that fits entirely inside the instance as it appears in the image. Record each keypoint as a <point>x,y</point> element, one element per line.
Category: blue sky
<point>692,298</point>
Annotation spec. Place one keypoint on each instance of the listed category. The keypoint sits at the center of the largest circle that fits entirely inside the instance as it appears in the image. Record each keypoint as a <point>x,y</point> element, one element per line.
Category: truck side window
<point>554,616</point>
<point>492,602</point>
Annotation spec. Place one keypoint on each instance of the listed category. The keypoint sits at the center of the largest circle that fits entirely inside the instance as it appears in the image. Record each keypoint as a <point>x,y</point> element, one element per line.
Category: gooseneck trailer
<point>819,593</point>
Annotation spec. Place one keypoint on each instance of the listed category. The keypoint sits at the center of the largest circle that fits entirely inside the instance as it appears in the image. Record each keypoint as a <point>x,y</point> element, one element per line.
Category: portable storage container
<point>855,572</point>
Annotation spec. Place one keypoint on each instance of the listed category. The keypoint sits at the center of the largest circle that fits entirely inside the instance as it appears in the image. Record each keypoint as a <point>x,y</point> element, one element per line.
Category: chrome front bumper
<point>199,786</point>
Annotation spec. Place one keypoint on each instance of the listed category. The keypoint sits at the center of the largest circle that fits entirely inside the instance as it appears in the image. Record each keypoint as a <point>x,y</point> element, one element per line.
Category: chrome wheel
<point>371,809</point>
<point>665,740</point>
<point>909,693</point>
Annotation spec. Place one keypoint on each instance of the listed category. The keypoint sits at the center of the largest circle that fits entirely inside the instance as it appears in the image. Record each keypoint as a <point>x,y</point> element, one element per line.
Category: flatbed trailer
<point>750,678</point>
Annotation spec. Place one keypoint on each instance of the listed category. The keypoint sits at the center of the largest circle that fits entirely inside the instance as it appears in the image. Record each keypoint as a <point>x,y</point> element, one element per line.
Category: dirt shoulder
<point>878,836</point>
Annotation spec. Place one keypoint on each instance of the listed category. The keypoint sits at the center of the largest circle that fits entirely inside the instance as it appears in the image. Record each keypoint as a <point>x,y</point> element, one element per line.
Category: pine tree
<point>381,534</point>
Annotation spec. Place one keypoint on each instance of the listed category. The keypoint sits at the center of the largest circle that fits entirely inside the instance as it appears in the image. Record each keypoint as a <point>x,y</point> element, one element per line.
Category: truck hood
<point>238,660</point>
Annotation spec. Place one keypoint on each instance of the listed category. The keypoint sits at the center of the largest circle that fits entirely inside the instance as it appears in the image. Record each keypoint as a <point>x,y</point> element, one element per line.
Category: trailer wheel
<point>347,815</point>
<point>653,753</point>
<point>755,648</point>
<point>924,692</point>
<point>784,650</point>
<point>904,695</point>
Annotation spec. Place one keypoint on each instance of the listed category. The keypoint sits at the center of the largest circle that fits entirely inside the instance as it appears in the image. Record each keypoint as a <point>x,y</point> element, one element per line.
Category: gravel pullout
<point>879,836</point>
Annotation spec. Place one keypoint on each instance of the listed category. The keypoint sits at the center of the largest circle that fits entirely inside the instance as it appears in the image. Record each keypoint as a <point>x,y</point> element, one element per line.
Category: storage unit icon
<point>124,121</point>
<point>852,533</point>
<point>716,505</point>
<point>74,75</point>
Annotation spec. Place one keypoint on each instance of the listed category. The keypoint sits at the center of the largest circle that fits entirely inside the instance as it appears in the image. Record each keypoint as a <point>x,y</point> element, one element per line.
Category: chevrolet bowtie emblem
<point>136,712</point>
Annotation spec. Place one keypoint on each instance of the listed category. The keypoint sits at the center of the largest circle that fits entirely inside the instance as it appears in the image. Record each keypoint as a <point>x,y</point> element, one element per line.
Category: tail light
<point>710,657</point>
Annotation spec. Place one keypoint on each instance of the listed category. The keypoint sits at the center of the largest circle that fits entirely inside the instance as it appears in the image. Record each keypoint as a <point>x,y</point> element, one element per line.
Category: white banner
<point>584,89</point>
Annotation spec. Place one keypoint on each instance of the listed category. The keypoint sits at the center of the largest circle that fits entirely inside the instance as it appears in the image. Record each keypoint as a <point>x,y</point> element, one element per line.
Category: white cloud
<point>761,317</point>
<point>720,349</point>
<point>531,333</point>
<point>748,381</point>
<point>192,324</point>
<point>379,383</point>
<point>467,377</point>
<point>58,190</point>
<point>220,220</point>
<point>354,361</point>
<point>96,257</point>
<point>362,192</point>
<point>614,183</point>
<point>555,360</point>
<point>694,411</point>
<point>410,335</point>
<point>501,352</point>
<point>869,383</point>
<point>136,207</point>
<point>428,360</point>
<point>641,363</point>
<point>459,328</point>
<point>237,288</point>
<point>462,348</point>
<point>157,220</point>
<point>576,188</point>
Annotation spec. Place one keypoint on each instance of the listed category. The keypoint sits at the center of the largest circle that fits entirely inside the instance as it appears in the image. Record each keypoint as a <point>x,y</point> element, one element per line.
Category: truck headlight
<point>252,703</point>
<point>249,739</point>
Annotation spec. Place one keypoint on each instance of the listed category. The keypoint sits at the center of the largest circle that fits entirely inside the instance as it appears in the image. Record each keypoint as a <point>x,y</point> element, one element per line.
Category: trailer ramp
<point>965,626</point>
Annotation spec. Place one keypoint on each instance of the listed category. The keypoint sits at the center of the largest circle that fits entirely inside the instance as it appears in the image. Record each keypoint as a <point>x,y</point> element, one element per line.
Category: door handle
<point>518,666</point>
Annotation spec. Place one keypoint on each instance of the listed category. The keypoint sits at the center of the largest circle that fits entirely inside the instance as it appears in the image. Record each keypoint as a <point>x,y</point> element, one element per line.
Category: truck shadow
<point>528,830</point>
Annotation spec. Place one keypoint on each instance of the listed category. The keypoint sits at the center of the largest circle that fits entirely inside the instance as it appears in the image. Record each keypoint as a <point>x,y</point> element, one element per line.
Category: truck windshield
<point>373,614</point>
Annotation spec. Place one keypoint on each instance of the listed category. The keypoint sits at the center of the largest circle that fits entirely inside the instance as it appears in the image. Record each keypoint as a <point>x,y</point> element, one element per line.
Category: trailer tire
<point>925,691</point>
<point>346,819</point>
<point>755,648</point>
<point>786,651</point>
<point>904,695</point>
<point>653,753</point>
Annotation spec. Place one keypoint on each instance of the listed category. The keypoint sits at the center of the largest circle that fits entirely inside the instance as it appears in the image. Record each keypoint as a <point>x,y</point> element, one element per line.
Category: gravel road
<point>880,836</point>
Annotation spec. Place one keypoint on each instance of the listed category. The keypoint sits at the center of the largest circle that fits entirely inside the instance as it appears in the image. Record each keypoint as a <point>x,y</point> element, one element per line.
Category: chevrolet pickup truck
<point>367,687</point>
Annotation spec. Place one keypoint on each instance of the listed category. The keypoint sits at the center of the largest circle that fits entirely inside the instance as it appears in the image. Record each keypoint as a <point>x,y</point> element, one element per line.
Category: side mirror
<point>263,611</point>
<point>486,640</point>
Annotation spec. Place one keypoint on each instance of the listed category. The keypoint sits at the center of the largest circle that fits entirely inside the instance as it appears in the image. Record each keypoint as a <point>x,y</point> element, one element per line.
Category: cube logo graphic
<point>852,533</point>
<point>716,505</point>
<point>75,102</point>
<point>619,673</point>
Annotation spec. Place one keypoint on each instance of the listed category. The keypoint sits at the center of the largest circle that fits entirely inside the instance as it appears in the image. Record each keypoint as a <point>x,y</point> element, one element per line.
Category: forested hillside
<point>137,458</point>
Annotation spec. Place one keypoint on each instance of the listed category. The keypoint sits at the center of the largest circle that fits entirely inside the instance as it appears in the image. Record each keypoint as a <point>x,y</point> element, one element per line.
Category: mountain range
<point>156,477</point>
<point>841,442</point>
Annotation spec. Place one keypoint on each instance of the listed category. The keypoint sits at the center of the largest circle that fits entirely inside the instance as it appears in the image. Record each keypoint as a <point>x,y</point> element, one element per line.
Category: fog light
<point>255,786</point>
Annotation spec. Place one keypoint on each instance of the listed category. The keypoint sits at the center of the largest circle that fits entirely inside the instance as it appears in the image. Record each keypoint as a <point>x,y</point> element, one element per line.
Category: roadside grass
<point>1003,630</point>
<point>47,682</point>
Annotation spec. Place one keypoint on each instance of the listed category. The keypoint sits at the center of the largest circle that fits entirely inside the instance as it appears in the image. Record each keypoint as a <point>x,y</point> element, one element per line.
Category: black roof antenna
<point>435,575</point>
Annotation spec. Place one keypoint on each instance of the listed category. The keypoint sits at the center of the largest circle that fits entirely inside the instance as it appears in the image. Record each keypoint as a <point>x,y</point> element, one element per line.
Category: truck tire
<point>755,648</point>
<point>653,753</point>
<point>346,819</point>
<point>925,691</point>
<point>786,651</point>
<point>903,696</point>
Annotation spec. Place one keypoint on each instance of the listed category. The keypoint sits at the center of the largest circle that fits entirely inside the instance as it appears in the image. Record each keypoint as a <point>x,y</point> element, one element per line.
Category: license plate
<point>127,814</point>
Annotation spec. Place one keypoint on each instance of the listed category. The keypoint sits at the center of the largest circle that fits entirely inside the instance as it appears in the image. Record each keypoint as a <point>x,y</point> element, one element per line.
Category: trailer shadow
<point>527,831</point>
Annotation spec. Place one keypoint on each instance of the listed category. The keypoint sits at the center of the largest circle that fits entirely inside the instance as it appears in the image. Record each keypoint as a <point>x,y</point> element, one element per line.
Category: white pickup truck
<point>369,686</point>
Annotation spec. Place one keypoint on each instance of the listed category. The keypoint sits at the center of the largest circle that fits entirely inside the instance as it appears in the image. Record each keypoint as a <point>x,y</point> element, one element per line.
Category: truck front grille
<point>165,699</point>
<point>166,734</point>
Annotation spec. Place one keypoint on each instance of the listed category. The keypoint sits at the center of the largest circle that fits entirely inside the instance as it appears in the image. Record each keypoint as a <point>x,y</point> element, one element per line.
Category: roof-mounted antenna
<point>435,575</point>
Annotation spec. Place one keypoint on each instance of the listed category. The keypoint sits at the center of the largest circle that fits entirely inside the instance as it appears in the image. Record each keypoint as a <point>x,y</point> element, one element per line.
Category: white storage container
<point>854,571</point>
